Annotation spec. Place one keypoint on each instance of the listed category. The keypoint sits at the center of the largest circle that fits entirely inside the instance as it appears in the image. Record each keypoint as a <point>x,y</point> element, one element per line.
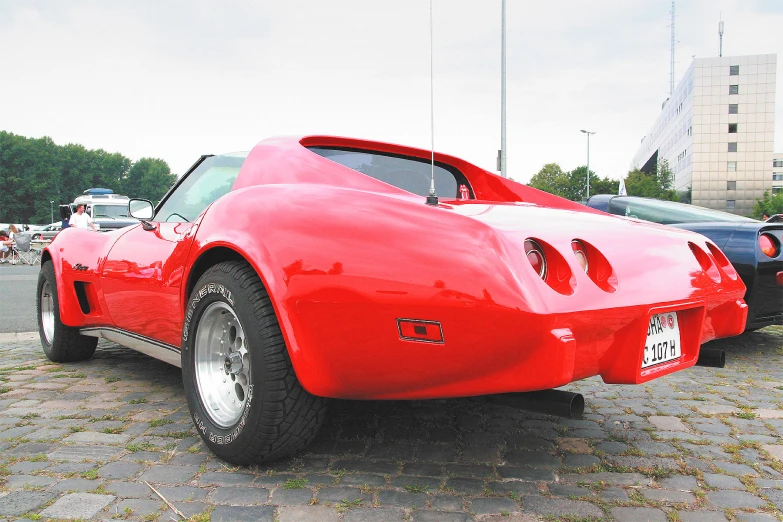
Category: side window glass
<point>406,173</point>
<point>213,178</point>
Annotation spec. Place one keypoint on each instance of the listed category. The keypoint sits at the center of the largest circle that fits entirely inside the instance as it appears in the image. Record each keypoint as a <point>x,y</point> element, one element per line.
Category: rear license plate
<point>663,340</point>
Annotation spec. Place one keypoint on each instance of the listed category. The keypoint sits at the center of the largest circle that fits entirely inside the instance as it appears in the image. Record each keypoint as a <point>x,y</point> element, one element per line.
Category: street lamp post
<point>588,160</point>
<point>51,208</point>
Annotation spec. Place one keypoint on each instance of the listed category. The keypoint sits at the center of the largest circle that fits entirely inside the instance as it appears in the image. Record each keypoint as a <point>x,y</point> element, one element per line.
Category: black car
<point>753,247</point>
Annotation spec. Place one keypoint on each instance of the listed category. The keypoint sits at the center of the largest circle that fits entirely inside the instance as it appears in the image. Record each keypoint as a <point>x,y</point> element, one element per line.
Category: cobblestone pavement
<point>91,440</point>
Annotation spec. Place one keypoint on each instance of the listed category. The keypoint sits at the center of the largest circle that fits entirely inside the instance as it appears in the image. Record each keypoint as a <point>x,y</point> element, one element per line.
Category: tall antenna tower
<point>671,64</point>
<point>720,35</point>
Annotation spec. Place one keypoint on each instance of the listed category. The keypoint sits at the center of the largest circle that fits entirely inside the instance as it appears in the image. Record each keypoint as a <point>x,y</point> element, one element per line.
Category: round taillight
<point>581,254</point>
<point>768,245</point>
<point>535,255</point>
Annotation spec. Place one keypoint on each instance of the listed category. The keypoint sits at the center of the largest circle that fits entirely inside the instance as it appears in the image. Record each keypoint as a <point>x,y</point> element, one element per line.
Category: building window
<point>777,190</point>
<point>733,146</point>
<point>733,108</point>
<point>731,185</point>
<point>731,166</point>
<point>777,163</point>
<point>777,177</point>
<point>733,89</point>
<point>732,128</point>
<point>734,70</point>
<point>730,204</point>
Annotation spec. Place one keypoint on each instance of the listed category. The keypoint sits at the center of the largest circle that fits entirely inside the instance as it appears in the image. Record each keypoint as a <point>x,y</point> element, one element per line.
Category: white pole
<point>588,159</point>
<point>588,165</point>
<point>503,91</point>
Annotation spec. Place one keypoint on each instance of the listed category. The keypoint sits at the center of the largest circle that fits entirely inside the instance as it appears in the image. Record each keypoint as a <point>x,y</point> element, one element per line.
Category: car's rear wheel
<point>246,402</point>
<point>36,236</point>
<point>60,343</point>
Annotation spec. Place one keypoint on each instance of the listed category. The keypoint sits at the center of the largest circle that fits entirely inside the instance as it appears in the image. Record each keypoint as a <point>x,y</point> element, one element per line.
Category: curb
<point>18,336</point>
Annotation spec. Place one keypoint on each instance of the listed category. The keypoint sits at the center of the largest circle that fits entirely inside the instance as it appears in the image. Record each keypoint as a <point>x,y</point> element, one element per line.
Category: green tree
<point>148,178</point>
<point>34,172</point>
<point>656,184</point>
<point>573,184</point>
<point>604,186</point>
<point>769,204</point>
<point>597,185</point>
<point>551,178</point>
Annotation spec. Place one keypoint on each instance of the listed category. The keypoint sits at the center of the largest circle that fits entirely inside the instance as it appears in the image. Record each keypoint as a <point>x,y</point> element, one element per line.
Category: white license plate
<point>663,340</point>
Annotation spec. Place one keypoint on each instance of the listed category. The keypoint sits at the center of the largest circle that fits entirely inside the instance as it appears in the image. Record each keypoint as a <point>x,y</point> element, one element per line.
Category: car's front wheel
<point>245,399</point>
<point>60,343</point>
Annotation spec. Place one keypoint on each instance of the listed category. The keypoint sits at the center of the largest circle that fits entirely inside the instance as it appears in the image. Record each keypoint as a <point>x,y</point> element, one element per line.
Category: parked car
<point>323,267</point>
<point>47,232</point>
<point>753,247</point>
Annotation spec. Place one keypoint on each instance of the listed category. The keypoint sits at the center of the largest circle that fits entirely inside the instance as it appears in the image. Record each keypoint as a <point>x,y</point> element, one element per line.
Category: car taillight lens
<point>581,254</point>
<point>535,254</point>
<point>769,245</point>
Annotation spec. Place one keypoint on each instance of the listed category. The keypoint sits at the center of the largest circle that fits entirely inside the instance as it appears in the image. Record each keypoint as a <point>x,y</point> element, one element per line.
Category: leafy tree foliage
<point>769,204</point>
<point>34,172</point>
<point>571,185</point>
<point>150,177</point>
<point>657,184</point>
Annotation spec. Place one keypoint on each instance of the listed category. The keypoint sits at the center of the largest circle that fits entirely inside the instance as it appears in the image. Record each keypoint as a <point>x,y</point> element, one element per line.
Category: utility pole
<point>588,160</point>
<point>720,36</point>
<point>502,151</point>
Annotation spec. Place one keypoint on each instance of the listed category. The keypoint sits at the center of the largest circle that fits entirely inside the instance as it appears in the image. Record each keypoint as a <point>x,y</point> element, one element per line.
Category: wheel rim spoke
<point>222,364</point>
<point>47,312</point>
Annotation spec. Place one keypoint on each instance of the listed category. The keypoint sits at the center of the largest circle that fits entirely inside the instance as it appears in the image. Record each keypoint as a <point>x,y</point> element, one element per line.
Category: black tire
<point>276,416</point>
<point>60,343</point>
<point>36,236</point>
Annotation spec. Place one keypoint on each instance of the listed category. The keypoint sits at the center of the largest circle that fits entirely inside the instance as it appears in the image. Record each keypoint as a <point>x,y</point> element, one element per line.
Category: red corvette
<point>313,268</point>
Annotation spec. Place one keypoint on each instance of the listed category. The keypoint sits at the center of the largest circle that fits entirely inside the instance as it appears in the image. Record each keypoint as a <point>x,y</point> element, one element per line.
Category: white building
<point>777,173</point>
<point>717,132</point>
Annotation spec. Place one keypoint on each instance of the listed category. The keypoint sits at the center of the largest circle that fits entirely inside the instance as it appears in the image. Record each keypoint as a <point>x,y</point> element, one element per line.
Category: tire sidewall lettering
<point>209,293</point>
<point>208,288</point>
<point>222,439</point>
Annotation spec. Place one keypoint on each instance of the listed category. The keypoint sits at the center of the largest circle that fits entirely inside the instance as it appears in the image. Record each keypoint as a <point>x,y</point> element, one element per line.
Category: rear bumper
<point>518,351</point>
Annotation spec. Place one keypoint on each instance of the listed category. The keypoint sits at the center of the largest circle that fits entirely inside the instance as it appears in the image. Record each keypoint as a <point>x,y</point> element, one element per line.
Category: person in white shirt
<point>81,219</point>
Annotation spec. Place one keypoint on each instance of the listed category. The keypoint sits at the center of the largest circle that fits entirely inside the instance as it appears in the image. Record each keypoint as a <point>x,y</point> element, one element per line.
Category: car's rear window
<point>406,173</point>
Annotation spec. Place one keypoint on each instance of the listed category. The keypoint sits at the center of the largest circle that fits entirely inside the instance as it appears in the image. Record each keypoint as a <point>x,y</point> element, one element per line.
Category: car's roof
<point>660,211</point>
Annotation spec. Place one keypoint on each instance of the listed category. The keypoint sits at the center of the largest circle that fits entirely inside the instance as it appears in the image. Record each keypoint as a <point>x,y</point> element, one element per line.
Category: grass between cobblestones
<point>450,454</point>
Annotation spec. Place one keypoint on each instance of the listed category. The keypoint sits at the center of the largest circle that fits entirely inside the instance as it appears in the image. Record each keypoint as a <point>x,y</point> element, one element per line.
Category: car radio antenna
<point>432,198</point>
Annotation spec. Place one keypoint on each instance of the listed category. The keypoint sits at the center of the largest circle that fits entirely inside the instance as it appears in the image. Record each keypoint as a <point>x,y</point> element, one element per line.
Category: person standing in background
<point>81,220</point>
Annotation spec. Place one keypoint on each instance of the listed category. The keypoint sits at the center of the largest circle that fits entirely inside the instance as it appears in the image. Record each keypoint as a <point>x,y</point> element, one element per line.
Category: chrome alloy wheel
<point>47,312</point>
<point>222,364</point>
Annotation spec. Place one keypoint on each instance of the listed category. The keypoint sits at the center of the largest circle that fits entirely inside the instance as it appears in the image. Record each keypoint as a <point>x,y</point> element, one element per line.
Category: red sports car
<point>315,268</point>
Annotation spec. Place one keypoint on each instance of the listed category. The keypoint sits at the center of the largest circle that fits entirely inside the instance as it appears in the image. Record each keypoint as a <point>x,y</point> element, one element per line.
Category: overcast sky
<point>177,79</point>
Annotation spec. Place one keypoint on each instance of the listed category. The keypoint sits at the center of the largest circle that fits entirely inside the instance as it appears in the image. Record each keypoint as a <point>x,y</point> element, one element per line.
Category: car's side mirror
<point>140,208</point>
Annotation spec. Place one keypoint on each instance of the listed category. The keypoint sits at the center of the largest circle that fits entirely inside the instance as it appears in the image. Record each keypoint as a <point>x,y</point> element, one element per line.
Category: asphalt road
<point>17,304</point>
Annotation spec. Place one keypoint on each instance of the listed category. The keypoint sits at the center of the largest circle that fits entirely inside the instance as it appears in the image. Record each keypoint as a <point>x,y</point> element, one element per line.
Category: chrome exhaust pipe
<point>712,357</point>
<point>549,402</point>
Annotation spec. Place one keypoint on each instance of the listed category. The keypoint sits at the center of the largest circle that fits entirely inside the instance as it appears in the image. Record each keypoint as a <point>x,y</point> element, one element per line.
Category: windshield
<point>669,212</point>
<point>213,178</point>
<point>112,211</point>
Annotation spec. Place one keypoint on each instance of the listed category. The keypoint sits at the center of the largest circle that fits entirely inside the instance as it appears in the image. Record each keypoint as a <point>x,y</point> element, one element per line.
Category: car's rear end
<point>474,298</point>
<point>767,289</point>
<point>754,249</point>
<point>624,300</point>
